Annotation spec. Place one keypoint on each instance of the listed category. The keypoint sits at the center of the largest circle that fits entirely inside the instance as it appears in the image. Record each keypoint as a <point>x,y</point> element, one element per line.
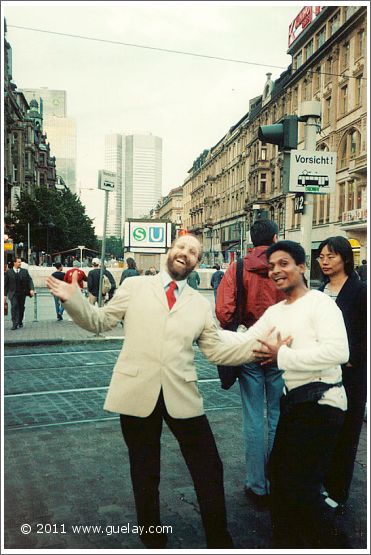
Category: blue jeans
<point>259,384</point>
<point>59,308</point>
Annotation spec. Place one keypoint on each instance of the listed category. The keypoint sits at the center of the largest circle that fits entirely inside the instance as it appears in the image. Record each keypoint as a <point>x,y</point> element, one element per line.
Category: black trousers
<point>340,473</point>
<point>197,444</point>
<point>17,303</point>
<point>304,442</point>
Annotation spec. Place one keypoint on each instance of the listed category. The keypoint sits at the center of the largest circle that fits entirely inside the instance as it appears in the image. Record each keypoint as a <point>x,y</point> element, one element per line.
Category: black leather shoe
<point>14,327</point>
<point>20,325</point>
<point>261,502</point>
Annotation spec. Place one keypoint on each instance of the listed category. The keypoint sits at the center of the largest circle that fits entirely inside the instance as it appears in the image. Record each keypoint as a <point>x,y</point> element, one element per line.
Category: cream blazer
<point>158,349</point>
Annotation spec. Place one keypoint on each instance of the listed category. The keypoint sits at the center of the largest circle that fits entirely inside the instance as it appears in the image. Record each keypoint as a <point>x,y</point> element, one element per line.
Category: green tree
<point>57,220</point>
<point>114,246</point>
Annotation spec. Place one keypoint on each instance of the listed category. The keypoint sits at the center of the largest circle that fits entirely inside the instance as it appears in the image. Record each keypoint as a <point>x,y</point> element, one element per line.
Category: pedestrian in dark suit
<point>17,285</point>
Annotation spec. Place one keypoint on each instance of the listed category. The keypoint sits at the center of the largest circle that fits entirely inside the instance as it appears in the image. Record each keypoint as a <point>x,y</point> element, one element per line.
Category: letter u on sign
<point>156,234</point>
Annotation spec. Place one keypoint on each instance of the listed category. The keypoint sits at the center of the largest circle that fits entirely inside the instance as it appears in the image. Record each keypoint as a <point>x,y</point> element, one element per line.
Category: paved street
<point>66,464</point>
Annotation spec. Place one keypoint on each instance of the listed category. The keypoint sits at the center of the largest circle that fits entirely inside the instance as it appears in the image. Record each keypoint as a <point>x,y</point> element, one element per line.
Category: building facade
<point>28,162</point>
<point>60,129</point>
<point>240,178</point>
<point>137,161</point>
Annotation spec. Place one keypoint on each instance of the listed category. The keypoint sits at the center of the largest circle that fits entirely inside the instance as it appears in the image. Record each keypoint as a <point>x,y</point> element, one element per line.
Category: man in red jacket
<point>258,384</point>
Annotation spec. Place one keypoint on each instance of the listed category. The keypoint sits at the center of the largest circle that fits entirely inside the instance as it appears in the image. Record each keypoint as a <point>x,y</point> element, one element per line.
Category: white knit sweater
<point>319,345</point>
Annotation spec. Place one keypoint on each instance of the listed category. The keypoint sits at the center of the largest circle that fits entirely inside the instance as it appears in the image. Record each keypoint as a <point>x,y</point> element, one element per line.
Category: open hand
<point>269,350</point>
<point>62,289</point>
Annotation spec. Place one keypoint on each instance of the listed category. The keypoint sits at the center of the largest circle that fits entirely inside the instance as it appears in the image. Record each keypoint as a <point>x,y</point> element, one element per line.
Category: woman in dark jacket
<point>350,294</point>
<point>130,271</point>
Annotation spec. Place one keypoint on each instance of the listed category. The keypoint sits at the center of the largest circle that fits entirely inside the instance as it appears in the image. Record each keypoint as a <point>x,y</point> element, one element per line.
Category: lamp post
<point>48,225</point>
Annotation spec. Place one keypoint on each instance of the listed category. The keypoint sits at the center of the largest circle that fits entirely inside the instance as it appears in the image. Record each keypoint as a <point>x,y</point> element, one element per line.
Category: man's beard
<point>178,274</point>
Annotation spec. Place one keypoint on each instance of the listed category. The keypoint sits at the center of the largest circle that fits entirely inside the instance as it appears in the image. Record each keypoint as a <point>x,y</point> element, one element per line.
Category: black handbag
<point>229,374</point>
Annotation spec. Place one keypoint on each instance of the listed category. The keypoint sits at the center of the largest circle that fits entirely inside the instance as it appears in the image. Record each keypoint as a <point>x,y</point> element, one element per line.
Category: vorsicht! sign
<point>312,171</point>
<point>149,236</point>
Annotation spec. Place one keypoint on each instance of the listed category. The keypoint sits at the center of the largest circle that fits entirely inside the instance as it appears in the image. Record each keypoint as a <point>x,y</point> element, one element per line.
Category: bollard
<point>35,307</point>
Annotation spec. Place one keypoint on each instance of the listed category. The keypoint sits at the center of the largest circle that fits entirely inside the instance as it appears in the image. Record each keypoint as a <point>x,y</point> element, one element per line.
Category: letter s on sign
<point>139,234</point>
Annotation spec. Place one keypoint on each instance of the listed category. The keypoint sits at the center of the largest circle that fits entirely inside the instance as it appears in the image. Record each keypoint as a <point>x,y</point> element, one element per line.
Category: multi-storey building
<point>27,159</point>
<point>60,129</point>
<point>137,162</point>
<point>240,177</point>
<point>170,207</point>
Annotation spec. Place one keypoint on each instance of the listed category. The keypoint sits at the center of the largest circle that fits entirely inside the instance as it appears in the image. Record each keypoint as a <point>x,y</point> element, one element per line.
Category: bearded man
<point>155,379</point>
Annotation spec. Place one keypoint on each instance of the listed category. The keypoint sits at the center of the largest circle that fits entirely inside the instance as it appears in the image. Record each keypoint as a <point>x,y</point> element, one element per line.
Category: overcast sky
<point>190,102</point>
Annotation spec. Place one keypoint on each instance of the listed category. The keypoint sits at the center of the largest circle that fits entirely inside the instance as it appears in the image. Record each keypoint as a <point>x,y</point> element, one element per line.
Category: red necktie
<point>170,294</point>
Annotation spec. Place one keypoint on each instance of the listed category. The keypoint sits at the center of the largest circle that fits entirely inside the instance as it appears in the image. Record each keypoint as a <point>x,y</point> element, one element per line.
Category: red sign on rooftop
<point>301,21</point>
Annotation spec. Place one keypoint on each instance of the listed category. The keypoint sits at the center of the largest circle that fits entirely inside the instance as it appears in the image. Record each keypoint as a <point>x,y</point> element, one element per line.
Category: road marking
<point>78,390</point>
<point>64,353</point>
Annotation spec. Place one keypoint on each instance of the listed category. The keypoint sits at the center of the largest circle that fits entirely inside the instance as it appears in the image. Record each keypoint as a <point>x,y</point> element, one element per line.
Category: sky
<point>188,101</point>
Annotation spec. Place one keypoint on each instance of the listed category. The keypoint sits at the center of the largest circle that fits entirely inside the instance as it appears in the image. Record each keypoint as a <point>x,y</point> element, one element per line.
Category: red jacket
<point>260,291</point>
<point>81,276</point>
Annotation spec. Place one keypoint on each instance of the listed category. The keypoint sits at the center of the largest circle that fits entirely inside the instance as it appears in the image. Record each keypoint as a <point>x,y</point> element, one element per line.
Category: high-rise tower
<point>137,161</point>
<point>60,130</point>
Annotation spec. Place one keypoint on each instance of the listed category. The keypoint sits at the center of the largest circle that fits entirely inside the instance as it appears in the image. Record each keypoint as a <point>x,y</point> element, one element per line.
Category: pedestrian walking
<point>260,386</point>
<point>130,271</point>
<point>216,278</point>
<point>362,271</point>
<point>193,279</point>
<point>155,379</point>
<point>81,276</point>
<point>18,285</point>
<point>350,294</point>
<point>58,274</point>
<point>313,407</point>
<point>108,285</point>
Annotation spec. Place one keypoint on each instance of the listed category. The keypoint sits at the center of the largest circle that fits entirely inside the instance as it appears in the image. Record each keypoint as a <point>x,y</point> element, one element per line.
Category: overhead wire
<point>171,51</point>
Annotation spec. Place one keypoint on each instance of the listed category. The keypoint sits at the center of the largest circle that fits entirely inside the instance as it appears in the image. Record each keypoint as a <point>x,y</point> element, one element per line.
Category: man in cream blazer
<point>155,379</point>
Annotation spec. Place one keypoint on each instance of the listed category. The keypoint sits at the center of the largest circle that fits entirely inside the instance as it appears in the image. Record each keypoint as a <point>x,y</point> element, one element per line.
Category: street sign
<point>106,180</point>
<point>312,171</point>
<point>299,203</point>
<point>148,236</point>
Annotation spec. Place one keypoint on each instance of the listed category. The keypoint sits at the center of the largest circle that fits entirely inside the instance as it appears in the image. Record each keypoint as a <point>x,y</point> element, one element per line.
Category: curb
<point>28,342</point>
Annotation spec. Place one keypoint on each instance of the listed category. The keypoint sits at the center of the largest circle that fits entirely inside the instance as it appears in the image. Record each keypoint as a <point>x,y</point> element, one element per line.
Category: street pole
<point>310,112</point>
<point>241,238</point>
<point>103,248</point>
<point>28,243</point>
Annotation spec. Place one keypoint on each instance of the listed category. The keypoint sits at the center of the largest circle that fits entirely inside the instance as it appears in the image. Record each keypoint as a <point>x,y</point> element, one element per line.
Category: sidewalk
<point>54,331</point>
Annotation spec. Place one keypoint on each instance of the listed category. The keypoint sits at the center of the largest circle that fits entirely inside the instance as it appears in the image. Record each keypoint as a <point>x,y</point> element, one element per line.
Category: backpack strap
<point>240,293</point>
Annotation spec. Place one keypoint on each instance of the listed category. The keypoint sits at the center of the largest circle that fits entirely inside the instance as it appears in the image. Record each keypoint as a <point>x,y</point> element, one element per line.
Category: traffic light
<point>284,133</point>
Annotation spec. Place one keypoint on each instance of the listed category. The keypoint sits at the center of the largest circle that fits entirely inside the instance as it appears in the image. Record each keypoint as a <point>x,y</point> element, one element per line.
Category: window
<point>358,200</point>
<point>360,43</point>
<point>308,50</point>
<point>354,139</point>
<point>307,89</point>
<point>341,200</point>
<point>263,182</point>
<point>359,90</point>
<point>349,148</point>
<point>295,98</point>
<point>321,37</point>
<point>345,56</point>
<point>328,69</point>
<point>350,205</point>
<point>327,111</point>
<point>343,100</point>
<point>334,24</point>
<point>349,11</point>
<point>317,78</point>
<point>298,60</point>
<point>263,154</point>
